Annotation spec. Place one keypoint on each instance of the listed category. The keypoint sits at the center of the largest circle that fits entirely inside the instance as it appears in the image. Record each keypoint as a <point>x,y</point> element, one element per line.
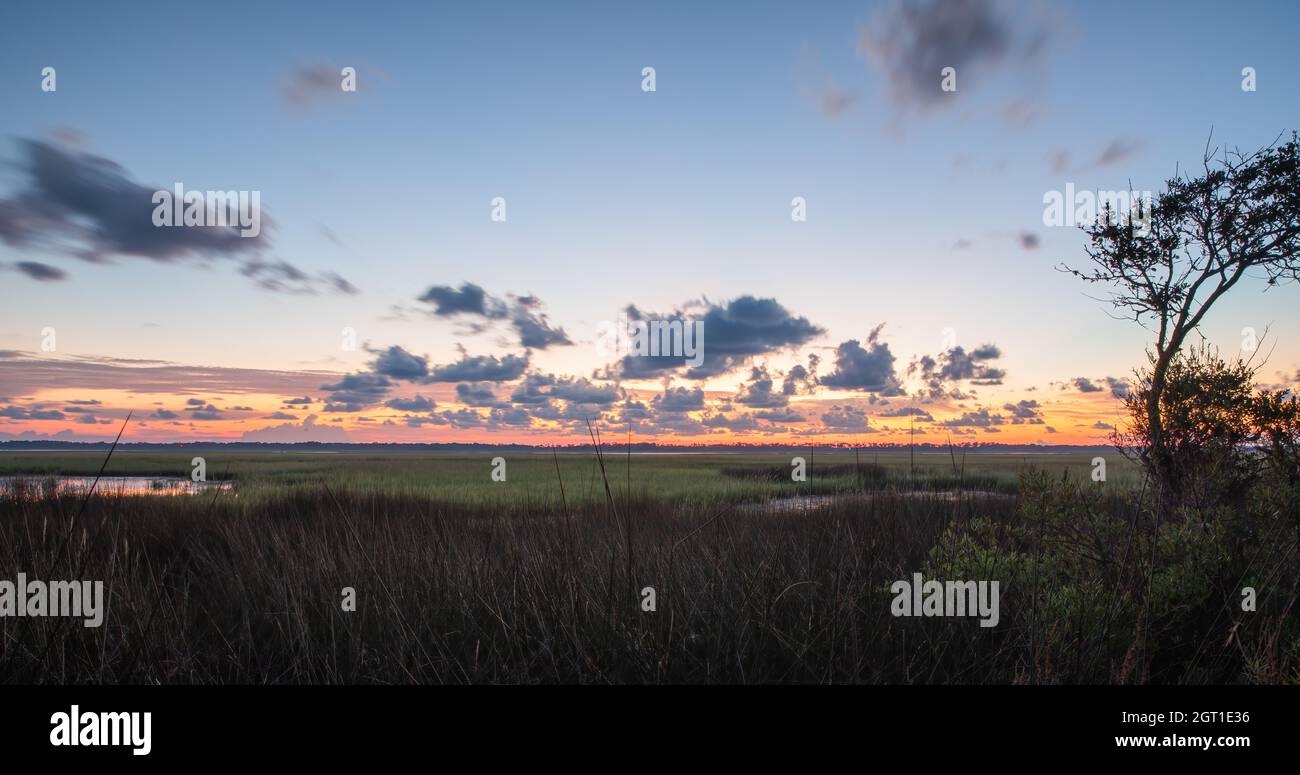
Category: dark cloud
<point>1086,385</point>
<point>738,423</point>
<point>280,416</point>
<point>1025,412</point>
<point>28,413</point>
<point>416,404</point>
<point>870,368</point>
<point>529,391</point>
<point>957,365</point>
<point>524,313</point>
<point>44,273</point>
<point>478,394</point>
<point>206,412</point>
<point>1028,240</point>
<point>583,391</point>
<point>910,43</point>
<point>921,415</point>
<point>779,416</point>
<point>981,418</point>
<point>397,363</point>
<point>1119,388</point>
<point>732,333</point>
<point>355,392</point>
<point>845,418</point>
<point>759,392</point>
<point>801,380</point>
<point>679,400</point>
<point>469,299</point>
<point>480,368</point>
<point>87,206</point>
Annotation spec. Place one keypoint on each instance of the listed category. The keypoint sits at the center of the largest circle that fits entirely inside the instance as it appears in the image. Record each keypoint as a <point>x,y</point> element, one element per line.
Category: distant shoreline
<point>641,448</point>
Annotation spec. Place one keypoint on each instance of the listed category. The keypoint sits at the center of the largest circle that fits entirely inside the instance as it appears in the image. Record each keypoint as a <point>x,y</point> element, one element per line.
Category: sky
<point>442,251</point>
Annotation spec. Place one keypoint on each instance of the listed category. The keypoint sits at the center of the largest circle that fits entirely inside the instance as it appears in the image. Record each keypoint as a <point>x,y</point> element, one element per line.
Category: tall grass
<point>221,588</point>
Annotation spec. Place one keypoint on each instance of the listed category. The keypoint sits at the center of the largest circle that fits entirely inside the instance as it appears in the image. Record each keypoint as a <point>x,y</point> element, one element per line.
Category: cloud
<point>910,43</point>
<point>981,418</point>
<point>956,365</point>
<point>921,415</point>
<point>524,313</point>
<point>1086,385</point>
<point>784,416</point>
<point>583,391</point>
<point>470,299</point>
<point>869,369</point>
<point>1025,412</point>
<point>313,82</point>
<point>733,333</point>
<point>356,392</point>
<point>27,373</point>
<point>204,412</point>
<point>679,400</point>
<point>39,272</point>
<point>417,404</point>
<point>27,413</point>
<point>1028,240</point>
<point>1118,150</point>
<point>1058,160</point>
<point>479,394</point>
<point>759,392</point>
<point>397,363</point>
<point>832,101</point>
<point>845,418</point>
<point>480,368</point>
<point>288,433</point>
<point>87,206</point>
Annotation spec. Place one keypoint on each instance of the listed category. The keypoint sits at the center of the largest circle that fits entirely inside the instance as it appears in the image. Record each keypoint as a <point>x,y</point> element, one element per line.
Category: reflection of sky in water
<point>108,485</point>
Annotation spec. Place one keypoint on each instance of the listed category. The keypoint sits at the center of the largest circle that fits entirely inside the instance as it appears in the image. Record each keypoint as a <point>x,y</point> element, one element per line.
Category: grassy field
<point>533,477</point>
<point>460,579</point>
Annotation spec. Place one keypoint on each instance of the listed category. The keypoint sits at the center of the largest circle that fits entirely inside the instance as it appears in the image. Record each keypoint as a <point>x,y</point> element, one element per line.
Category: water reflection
<point>40,486</point>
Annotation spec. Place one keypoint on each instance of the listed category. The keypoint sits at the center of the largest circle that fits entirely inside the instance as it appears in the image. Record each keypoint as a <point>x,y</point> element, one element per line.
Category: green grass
<point>460,579</point>
<point>532,477</point>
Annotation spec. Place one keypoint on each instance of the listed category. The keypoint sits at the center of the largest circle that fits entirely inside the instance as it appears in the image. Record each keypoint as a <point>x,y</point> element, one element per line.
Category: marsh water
<point>801,503</point>
<point>36,485</point>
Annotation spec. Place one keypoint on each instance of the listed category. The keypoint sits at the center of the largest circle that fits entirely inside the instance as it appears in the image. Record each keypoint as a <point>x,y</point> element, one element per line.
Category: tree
<point>1210,419</point>
<point>1239,218</point>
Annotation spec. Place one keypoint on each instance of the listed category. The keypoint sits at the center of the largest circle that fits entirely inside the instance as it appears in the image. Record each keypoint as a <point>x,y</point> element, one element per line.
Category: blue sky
<point>619,196</point>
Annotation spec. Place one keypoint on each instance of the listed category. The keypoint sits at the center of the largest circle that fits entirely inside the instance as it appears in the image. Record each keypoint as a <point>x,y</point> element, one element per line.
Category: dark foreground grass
<point>222,589</point>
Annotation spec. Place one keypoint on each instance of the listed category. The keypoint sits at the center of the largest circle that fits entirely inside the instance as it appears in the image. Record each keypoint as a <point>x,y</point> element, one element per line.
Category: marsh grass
<point>463,581</point>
